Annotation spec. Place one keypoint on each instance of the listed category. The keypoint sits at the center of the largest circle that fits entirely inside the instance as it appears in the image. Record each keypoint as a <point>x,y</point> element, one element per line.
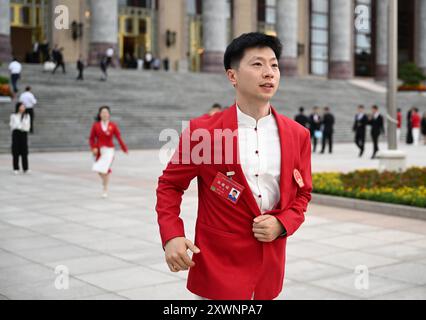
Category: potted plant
<point>412,77</point>
<point>5,92</point>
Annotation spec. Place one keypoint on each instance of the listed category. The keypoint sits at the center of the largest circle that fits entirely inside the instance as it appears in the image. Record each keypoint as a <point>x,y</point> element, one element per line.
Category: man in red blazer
<point>253,168</point>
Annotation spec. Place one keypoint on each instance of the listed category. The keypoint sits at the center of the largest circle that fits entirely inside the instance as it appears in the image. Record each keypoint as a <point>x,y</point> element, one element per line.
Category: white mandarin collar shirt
<point>260,157</point>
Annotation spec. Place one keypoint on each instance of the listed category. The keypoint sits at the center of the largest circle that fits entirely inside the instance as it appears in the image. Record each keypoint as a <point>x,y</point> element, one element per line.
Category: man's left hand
<point>267,228</point>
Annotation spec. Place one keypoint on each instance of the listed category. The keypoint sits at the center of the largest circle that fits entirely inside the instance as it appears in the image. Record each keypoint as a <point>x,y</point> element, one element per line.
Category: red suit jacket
<point>415,120</point>
<point>99,138</point>
<point>233,264</point>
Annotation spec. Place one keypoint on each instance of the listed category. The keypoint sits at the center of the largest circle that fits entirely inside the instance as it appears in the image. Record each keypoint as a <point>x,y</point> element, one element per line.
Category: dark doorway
<point>406,31</point>
<point>21,39</point>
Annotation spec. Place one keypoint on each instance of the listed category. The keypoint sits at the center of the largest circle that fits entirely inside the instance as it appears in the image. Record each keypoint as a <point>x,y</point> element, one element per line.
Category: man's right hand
<point>177,257</point>
<point>95,151</point>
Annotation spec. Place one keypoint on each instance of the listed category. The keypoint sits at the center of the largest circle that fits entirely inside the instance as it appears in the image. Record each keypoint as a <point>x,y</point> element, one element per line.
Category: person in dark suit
<point>302,118</point>
<point>328,130</point>
<point>377,128</point>
<point>59,58</point>
<point>315,126</point>
<point>359,127</point>
<point>423,126</point>
<point>80,67</point>
<point>409,139</point>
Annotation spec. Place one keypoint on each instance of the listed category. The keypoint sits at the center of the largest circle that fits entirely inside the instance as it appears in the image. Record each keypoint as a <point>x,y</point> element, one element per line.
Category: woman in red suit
<point>102,144</point>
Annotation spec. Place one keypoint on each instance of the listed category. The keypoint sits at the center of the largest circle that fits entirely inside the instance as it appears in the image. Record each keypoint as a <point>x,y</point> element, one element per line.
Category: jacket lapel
<point>287,159</point>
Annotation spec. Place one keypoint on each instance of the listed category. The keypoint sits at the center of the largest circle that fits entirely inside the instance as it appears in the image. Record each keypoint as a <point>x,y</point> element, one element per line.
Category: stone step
<point>145,103</point>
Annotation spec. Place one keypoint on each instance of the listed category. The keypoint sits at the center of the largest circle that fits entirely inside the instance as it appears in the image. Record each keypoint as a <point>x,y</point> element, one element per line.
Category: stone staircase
<point>144,103</point>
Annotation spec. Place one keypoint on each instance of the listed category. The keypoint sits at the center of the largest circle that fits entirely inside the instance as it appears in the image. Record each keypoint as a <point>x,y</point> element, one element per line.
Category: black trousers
<point>58,64</point>
<point>14,79</point>
<point>314,141</point>
<point>375,138</point>
<point>20,149</point>
<point>327,137</point>
<point>360,140</point>
<point>30,111</point>
<point>80,74</point>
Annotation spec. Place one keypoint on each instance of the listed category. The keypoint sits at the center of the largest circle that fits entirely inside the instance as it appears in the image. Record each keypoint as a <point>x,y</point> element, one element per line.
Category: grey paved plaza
<point>55,217</point>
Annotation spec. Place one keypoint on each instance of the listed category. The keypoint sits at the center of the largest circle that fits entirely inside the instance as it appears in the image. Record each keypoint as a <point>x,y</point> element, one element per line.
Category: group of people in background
<point>361,121</point>
<point>148,62</point>
<point>416,126</point>
<point>22,119</point>
<point>321,126</point>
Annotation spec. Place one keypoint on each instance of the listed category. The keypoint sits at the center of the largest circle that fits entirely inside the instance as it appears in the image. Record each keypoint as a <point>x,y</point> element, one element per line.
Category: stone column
<point>382,40</point>
<point>287,30</point>
<point>5,46</point>
<point>421,35</point>
<point>245,17</point>
<point>214,35</point>
<point>341,29</point>
<point>104,29</point>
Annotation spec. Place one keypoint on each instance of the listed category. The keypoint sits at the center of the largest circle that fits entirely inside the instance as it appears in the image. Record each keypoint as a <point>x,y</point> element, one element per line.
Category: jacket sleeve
<point>93,139</point>
<point>119,138</point>
<point>172,184</point>
<point>293,217</point>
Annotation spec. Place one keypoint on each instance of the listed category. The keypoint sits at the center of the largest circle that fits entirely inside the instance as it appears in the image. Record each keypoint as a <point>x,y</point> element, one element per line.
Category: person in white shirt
<point>109,54</point>
<point>20,123</point>
<point>29,101</point>
<point>15,69</point>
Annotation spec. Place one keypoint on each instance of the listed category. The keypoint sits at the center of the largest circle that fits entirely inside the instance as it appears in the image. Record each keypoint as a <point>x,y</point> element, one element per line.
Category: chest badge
<point>298,177</point>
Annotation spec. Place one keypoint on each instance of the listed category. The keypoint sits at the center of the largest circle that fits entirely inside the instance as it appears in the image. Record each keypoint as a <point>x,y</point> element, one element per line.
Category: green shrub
<point>4,80</point>
<point>410,74</point>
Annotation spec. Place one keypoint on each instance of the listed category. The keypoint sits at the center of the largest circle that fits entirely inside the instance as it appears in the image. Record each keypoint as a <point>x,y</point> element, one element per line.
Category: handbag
<point>318,134</point>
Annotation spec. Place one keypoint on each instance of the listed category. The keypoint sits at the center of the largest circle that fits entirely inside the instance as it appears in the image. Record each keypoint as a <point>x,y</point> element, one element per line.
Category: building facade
<point>339,39</point>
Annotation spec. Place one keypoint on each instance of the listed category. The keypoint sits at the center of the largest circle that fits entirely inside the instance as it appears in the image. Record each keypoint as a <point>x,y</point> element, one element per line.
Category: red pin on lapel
<point>298,178</point>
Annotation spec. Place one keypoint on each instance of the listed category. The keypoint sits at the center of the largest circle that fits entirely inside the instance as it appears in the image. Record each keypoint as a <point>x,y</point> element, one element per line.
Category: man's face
<point>258,75</point>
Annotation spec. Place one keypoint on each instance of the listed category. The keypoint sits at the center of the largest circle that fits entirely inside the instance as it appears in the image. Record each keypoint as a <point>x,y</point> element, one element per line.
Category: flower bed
<point>406,188</point>
<point>5,90</point>
<point>4,87</point>
<point>420,87</point>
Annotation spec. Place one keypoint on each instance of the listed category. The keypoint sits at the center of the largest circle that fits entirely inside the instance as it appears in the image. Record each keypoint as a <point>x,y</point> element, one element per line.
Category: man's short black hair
<point>235,51</point>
